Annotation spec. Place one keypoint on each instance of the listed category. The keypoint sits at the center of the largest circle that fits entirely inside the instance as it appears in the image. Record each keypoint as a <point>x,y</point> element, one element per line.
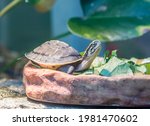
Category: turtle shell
<point>54,54</point>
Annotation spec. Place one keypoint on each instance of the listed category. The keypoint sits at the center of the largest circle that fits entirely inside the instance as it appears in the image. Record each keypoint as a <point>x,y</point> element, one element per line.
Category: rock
<point>12,95</point>
<point>22,102</point>
<point>58,87</point>
<point>11,88</point>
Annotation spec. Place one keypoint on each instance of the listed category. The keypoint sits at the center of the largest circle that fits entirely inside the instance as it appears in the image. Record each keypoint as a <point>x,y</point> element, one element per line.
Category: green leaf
<point>147,68</point>
<point>122,69</point>
<point>111,20</point>
<point>97,62</point>
<point>81,53</point>
<point>114,53</point>
<point>106,69</point>
<point>106,56</point>
<point>141,69</point>
<point>116,8</point>
<point>109,29</point>
<point>90,6</point>
<point>143,63</point>
<point>105,72</point>
<point>146,63</point>
<point>117,66</point>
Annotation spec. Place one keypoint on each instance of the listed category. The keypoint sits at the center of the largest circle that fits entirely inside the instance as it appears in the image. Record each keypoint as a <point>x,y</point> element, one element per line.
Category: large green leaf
<point>116,8</point>
<point>90,6</point>
<point>111,20</point>
<point>109,29</point>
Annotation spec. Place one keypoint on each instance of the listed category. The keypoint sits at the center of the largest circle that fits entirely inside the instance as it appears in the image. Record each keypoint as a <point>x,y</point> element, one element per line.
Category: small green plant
<point>111,65</point>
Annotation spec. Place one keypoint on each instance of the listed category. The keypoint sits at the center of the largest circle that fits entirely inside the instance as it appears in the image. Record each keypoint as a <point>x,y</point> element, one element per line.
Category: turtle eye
<point>92,48</point>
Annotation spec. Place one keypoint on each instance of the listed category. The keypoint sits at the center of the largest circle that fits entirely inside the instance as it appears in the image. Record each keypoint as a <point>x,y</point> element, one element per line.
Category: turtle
<point>57,55</point>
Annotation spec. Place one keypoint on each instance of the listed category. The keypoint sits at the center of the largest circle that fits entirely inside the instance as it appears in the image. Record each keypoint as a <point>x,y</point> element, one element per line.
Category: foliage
<point>111,65</point>
<point>111,20</point>
<point>106,20</point>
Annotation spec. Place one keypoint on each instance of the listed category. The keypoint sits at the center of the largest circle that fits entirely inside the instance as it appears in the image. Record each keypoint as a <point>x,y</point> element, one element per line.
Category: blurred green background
<point>23,28</point>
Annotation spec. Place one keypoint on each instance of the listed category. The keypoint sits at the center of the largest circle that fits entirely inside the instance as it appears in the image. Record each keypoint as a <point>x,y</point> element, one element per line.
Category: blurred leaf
<point>147,68</point>
<point>111,20</point>
<point>114,53</point>
<point>116,8</point>
<point>145,62</point>
<point>122,69</point>
<point>105,72</point>
<point>81,53</point>
<point>141,69</point>
<point>97,62</point>
<point>106,56</point>
<point>106,69</point>
<point>42,5</point>
<point>115,66</point>
<point>90,6</point>
<point>109,29</point>
<point>118,66</point>
<point>140,61</point>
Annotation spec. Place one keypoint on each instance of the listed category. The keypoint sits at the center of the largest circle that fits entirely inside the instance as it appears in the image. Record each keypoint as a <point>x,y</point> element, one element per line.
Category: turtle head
<point>92,50</point>
<point>89,55</point>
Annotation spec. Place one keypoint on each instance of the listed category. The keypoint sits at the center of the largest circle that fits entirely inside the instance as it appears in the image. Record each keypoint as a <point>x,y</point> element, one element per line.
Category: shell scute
<point>53,53</point>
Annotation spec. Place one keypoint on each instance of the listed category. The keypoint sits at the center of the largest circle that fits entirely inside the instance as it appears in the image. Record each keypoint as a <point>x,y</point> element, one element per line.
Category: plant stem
<point>62,35</point>
<point>9,7</point>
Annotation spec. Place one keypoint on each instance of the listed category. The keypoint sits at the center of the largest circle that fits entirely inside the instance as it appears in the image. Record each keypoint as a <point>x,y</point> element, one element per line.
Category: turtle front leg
<point>71,69</point>
<point>67,69</point>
